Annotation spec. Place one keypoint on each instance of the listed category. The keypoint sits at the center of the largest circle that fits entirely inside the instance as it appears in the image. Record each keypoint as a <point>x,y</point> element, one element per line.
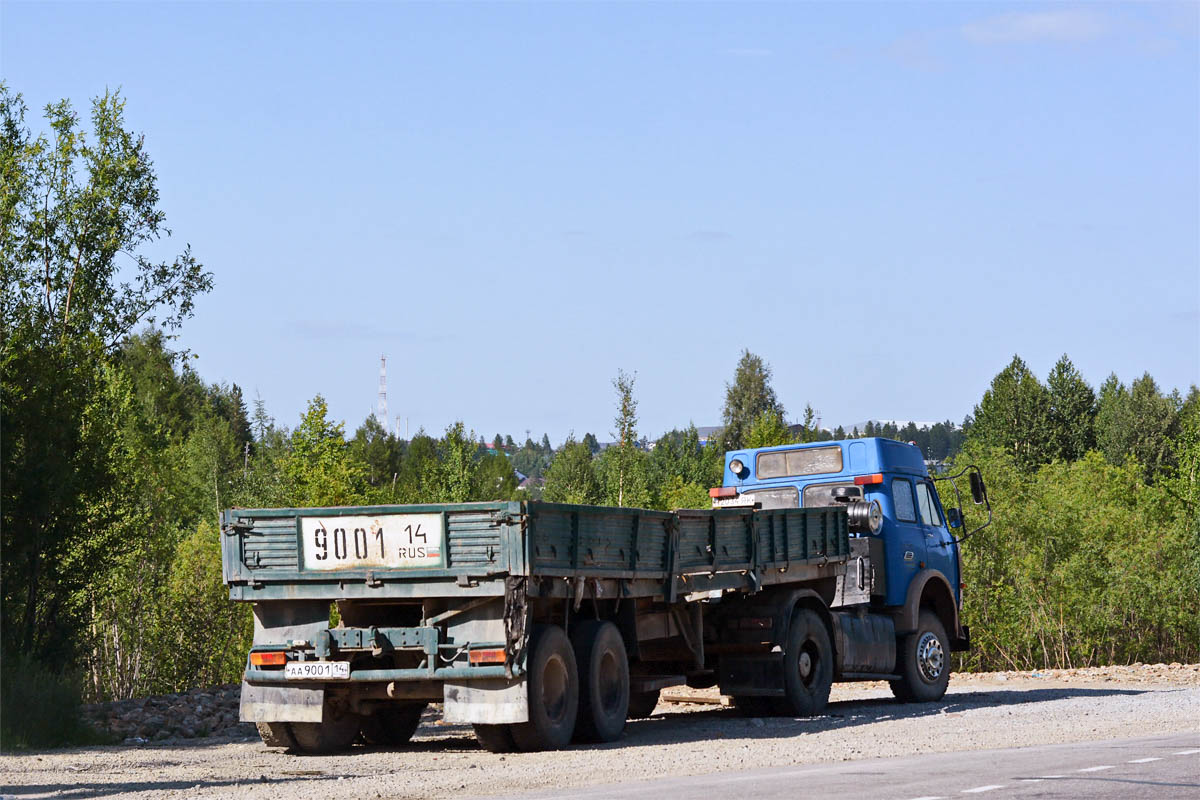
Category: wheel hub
<point>931,659</point>
<point>805,663</point>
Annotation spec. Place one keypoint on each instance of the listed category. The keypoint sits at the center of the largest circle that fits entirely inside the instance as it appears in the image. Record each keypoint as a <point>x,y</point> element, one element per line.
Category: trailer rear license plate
<point>403,541</point>
<point>317,670</point>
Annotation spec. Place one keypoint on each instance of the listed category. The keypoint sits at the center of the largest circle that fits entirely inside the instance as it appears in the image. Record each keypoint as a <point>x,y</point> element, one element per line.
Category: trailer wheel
<point>335,733</point>
<point>642,704</point>
<point>276,734</point>
<point>807,664</point>
<point>923,661</point>
<point>495,738</point>
<point>603,681</point>
<point>553,692</point>
<point>393,725</point>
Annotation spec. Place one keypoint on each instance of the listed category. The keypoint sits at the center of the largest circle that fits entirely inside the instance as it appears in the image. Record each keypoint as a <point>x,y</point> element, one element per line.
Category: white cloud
<point>1060,26</point>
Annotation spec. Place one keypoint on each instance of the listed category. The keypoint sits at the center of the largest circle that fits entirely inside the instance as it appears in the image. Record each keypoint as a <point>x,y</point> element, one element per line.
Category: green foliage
<point>747,398</point>
<point>572,476</point>
<point>39,707</point>
<point>1014,415</point>
<point>1072,412</point>
<point>206,636</point>
<point>1086,564</point>
<point>318,469</point>
<point>768,429</point>
<point>1138,422</point>
<point>622,467</point>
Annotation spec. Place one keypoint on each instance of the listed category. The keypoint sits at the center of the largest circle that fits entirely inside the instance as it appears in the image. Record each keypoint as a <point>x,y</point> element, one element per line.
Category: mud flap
<point>281,703</point>
<point>494,701</point>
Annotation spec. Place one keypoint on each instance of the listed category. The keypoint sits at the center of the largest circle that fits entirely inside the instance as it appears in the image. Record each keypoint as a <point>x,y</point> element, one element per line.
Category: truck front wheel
<point>553,692</point>
<point>807,664</point>
<point>923,661</point>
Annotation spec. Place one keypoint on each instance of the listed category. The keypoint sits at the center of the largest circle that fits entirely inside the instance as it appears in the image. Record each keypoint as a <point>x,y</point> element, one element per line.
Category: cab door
<point>939,552</point>
<point>906,547</point>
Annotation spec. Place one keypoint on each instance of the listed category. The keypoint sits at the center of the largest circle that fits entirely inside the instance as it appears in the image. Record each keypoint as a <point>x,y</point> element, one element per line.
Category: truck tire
<point>807,664</point>
<point>553,692</point>
<point>642,704</point>
<point>603,681</point>
<point>276,734</point>
<point>923,661</point>
<point>495,738</point>
<point>335,733</point>
<point>393,725</point>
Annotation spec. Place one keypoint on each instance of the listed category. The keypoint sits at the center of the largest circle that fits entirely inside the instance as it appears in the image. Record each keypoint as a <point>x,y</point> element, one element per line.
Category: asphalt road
<point>1152,767</point>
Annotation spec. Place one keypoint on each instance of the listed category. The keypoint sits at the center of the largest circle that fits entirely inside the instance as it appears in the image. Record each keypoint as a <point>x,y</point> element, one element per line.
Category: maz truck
<point>540,624</point>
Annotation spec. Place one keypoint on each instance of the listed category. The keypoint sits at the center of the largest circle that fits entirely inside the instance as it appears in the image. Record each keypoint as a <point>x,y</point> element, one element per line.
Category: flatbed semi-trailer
<point>542,623</point>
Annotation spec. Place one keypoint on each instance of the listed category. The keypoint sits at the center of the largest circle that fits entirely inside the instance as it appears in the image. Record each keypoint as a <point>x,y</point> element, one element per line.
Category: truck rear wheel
<point>923,661</point>
<point>603,681</point>
<point>807,664</point>
<point>553,692</point>
<point>333,734</point>
<point>642,704</point>
<point>495,738</point>
<point>392,725</point>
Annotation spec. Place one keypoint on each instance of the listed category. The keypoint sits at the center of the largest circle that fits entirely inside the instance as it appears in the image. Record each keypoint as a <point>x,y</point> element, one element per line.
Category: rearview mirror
<point>978,491</point>
<point>954,517</point>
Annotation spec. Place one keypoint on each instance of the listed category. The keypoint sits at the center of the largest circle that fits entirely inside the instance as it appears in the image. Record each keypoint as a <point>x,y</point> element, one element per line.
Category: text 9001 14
<point>403,541</point>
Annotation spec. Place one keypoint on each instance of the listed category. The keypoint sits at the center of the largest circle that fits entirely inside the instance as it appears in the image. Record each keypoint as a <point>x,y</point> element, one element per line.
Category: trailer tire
<point>276,734</point>
<point>807,664</point>
<point>393,725</point>
<point>923,661</point>
<point>603,681</point>
<point>553,692</point>
<point>335,733</point>
<point>495,738</point>
<point>642,704</point>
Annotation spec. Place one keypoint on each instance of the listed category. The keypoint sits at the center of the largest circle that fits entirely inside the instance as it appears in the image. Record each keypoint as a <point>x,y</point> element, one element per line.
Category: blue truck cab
<point>908,540</point>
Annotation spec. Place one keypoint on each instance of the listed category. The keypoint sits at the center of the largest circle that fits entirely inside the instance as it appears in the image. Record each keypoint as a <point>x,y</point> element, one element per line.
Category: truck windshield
<point>789,463</point>
<point>821,494</point>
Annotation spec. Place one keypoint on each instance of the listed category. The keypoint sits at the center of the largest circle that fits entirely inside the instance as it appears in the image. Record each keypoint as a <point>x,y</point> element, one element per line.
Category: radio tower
<point>382,413</point>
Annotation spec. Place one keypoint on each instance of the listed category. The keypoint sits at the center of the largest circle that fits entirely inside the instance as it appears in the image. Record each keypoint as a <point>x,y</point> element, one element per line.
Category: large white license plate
<point>384,540</point>
<point>317,670</point>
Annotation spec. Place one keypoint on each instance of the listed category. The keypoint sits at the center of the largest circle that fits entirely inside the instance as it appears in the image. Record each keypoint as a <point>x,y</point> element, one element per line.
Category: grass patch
<point>40,708</point>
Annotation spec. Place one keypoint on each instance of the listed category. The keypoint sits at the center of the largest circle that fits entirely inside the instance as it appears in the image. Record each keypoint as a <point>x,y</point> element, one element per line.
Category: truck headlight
<point>737,467</point>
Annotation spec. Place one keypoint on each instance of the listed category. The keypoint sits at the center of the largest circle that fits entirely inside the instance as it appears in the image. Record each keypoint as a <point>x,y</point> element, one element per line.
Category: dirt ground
<point>691,733</point>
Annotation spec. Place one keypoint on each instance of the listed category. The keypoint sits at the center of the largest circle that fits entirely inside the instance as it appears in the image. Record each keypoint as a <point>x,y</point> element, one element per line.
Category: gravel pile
<point>194,714</point>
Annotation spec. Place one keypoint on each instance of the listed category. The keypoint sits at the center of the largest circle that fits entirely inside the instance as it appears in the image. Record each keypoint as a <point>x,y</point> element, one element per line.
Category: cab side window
<point>902,500</point>
<point>929,511</point>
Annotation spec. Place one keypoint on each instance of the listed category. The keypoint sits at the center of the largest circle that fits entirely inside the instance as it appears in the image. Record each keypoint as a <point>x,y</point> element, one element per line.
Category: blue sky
<point>513,201</point>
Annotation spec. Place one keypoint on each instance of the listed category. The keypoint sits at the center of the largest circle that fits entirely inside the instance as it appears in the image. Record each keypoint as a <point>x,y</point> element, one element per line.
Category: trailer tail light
<point>268,659</point>
<point>487,656</point>
<point>722,491</point>
<point>869,480</point>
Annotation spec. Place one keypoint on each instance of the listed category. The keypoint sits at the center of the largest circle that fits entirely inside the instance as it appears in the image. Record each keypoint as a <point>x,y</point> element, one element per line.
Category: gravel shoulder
<point>691,733</point>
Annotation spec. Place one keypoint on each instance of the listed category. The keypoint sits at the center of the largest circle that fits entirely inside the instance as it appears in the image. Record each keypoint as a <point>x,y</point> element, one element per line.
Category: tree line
<point>117,458</point>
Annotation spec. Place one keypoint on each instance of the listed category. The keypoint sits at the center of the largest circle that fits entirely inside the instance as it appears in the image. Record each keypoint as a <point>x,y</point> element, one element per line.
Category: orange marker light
<point>487,656</point>
<point>867,480</point>
<point>723,491</point>
<point>268,659</point>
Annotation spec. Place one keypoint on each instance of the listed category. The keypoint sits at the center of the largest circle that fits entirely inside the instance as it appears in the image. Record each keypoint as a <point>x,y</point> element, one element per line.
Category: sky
<point>513,201</point>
